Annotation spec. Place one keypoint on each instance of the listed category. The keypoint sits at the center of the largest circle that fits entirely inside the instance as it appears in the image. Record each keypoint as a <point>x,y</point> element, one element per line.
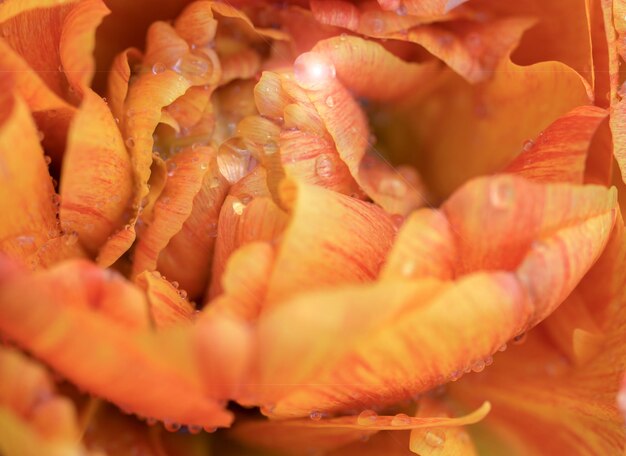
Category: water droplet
<point>520,339</point>
<point>454,376</point>
<point>401,10</point>
<point>502,348</point>
<point>234,159</point>
<point>40,135</point>
<point>130,142</point>
<point>324,166</point>
<point>478,366</point>
<point>501,193</point>
<point>343,36</point>
<point>182,294</point>
<point>434,438</point>
<point>47,159</point>
<point>175,284</point>
<point>204,166</point>
<point>194,429</point>
<point>171,167</point>
<point>401,419</point>
<point>238,207</point>
<point>209,429</point>
<point>158,68</point>
<point>330,102</point>
<point>392,186</point>
<point>193,65</point>
<point>528,145</point>
<point>367,417</point>
<point>316,415</point>
<point>488,360</point>
<point>171,426</point>
<point>313,71</point>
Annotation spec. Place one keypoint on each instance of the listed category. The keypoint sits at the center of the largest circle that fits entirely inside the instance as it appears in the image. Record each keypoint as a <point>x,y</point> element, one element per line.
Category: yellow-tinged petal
<point>153,374</point>
<point>167,305</point>
<point>448,441</point>
<point>119,77</point>
<point>78,41</point>
<point>11,8</point>
<point>422,7</point>
<point>365,67</point>
<point>361,346</point>
<point>34,420</point>
<point>344,240</point>
<point>96,177</point>
<point>27,197</point>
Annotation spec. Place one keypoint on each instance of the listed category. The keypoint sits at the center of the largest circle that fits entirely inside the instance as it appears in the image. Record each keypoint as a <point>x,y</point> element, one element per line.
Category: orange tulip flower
<point>312,227</point>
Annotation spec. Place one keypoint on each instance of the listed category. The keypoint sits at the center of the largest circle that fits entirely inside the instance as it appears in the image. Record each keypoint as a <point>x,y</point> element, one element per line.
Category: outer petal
<point>146,373</point>
<point>35,420</point>
<point>27,196</point>
<point>96,180</point>
<point>423,8</point>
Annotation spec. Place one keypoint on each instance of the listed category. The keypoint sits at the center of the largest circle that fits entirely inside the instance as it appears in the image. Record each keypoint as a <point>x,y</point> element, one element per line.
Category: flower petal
<point>148,373</point>
<point>35,420</point>
<point>26,194</point>
<point>423,8</point>
<point>340,348</point>
<point>344,240</point>
<point>559,153</point>
<point>351,55</point>
<point>167,306</point>
<point>96,178</point>
<point>173,206</point>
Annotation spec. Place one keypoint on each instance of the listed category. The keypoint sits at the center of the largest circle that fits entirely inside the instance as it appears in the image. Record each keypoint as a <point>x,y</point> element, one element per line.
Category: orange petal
<point>245,279</point>
<point>343,239</point>
<point>188,255</point>
<point>478,115</point>
<point>152,374</point>
<point>168,305</point>
<point>78,40</point>
<point>559,153</point>
<point>365,67</point>
<point>423,248</point>
<point>96,178</point>
<point>12,8</point>
<point>196,23</point>
<point>35,420</point>
<point>187,171</point>
<point>26,194</point>
<point>453,441</point>
<point>247,215</point>
<point>119,77</point>
<point>341,346</point>
<point>422,8</point>
<point>226,10</point>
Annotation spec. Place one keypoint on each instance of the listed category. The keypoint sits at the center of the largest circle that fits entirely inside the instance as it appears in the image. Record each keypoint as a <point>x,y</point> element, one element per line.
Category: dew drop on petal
<point>194,429</point>
<point>520,339</point>
<point>401,419</point>
<point>40,135</point>
<point>324,166</point>
<point>528,145</point>
<point>47,159</point>
<point>158,68</point>
<point>182,294</point>
<point>367,417</point>
<point>501,194</point>
<point>434,438</point>
<point>316,415</point>
<point>478,366</point>
<point>238,207</point>
<point>313,71</point>
<point>130,142</point>
<point>330,102</point>
<point>209,429</point>
<point>401,10</point>
<point>171,426</point>
<point>502,348</point>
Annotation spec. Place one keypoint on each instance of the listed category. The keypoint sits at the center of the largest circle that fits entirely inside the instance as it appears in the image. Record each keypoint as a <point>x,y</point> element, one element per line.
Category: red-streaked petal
<point>173,205</point>
<point>167,305</point>
<point>365,67</point>
<point>96,178</point>
<point>559,153</point>
<point>148,373</point>
<point>26,194</point>
<point>344,240</point>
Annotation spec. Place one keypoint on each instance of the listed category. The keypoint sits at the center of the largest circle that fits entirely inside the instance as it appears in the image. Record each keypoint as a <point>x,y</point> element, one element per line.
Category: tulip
<point>326,227</point>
